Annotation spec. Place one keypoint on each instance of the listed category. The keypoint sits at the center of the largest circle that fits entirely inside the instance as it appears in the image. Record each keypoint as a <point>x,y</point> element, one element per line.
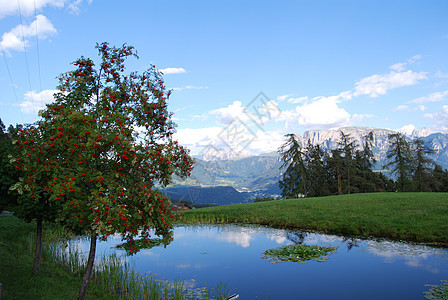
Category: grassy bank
<point>419,217</point>
<point>16,261</point>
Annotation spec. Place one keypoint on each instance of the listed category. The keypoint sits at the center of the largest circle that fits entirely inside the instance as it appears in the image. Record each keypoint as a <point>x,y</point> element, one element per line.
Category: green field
<point>418,217</point>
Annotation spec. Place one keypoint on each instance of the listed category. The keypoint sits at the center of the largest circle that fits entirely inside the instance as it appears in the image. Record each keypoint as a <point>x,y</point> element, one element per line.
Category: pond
<point>232,255</point>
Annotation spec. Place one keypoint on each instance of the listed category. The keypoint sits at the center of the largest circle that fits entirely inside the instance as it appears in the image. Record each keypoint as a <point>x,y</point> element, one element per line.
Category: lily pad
<point>298,253</point>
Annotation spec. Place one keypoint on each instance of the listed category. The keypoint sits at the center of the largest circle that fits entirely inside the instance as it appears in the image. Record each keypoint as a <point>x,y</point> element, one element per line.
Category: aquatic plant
<point>298,253</point>
<point>437,291</point>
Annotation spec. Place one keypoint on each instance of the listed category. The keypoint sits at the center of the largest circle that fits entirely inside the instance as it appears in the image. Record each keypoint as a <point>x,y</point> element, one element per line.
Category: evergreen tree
<point>347,148</point>
<point>335,171</point>
<point>295,177</point>
<point>366,179</point>
<point>316,164</point>
<point>422,177</point>
<point>401,160</point>
<point>440,179</point>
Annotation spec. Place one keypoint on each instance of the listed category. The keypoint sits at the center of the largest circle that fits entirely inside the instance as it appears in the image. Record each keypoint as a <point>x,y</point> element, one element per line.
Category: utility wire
<point>38,55</point>
<point>10,79</point>
<point>26,56</point>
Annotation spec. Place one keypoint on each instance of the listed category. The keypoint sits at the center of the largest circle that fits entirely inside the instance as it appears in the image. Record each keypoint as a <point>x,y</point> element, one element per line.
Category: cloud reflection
<point>242,239</point>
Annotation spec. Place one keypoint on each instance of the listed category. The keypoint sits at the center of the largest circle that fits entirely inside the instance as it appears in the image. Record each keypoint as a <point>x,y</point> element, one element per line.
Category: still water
<point>231,255</point>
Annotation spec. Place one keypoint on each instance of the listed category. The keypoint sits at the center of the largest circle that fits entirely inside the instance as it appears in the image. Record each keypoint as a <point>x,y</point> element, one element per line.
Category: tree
<point>8,175</point>
<point>40,209</point>
<point>335,163</point>
<point>440,182</point>
<point>294,181</point>
<point>316,164</point>
<point>367,180</point>
<point>36,206</point>
<point>347,148</point>
<point>105,143</point>
<point>400,159</point>
<point>422,176</point>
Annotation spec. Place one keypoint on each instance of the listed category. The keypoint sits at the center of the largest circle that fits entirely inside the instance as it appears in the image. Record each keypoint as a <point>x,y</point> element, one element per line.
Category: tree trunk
<point>89,268</point>
<point>38,249</point>
<point>339,184</point>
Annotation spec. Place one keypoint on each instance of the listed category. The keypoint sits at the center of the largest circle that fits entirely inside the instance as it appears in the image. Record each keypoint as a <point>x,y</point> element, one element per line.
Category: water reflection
<point>230,254</point>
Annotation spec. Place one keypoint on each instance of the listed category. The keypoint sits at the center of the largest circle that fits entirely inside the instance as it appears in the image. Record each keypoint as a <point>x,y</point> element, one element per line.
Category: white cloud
<point>414,59</point>
<point>401,108</point>
<point>434,97</point>
<point>26,8</point>
<point>189,87</point>
<point>298,100</point>
<point>379,84</point>
<point>284,97</point>
<point>19,37</point>
<point>359,117</point>
<point>321,112</point>
<point>227,115</point>
<point>420,107</point>
<point>172,70</point>
<point>197,139</point>
<point>36,101</point>
<point>290,99</point>
<point>223,138</point>
<point>399,67</point>
<point>441,118</point>
<point>74,6</point>
<point>8,8</point>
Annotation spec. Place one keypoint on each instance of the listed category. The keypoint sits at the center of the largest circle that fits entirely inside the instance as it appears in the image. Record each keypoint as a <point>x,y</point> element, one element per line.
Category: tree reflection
<point>352,242</point>
<point>296,237</point>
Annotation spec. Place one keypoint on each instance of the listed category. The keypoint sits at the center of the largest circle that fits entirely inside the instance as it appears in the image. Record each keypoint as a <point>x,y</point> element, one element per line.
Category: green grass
<point>16,261</point>
<point>418,217</point>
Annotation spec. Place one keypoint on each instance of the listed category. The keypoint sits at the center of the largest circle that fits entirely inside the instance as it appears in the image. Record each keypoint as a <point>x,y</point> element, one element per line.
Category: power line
<point>26,56</point>
<point>12,83</point>
<point>38,55</point>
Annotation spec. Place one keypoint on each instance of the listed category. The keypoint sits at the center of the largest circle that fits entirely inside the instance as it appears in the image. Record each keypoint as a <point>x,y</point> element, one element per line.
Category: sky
<point>244,73</point>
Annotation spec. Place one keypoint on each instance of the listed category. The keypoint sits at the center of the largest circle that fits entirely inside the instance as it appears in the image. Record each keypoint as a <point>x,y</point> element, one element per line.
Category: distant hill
<point>242,179</point>
<point>219,195</point>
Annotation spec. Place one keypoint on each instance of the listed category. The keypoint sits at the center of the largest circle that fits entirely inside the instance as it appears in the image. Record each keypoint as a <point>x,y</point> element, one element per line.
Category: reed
<point>115,275</point>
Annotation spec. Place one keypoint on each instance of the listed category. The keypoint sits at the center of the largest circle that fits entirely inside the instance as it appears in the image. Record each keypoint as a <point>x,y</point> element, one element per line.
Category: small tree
<point>40,208</point>
<point>106,142</point>
<point>33,200</point>
<point>8,174</point>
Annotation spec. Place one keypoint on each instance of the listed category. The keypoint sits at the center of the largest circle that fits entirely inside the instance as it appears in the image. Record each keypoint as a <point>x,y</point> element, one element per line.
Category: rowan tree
<point>106,142</point>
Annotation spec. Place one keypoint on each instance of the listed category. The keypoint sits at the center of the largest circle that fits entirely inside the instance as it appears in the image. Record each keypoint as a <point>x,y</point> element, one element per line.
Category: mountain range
<point>258,176</point>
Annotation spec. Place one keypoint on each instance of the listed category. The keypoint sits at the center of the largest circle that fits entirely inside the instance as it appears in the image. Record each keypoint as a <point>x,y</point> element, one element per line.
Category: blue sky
<point>318,64</point>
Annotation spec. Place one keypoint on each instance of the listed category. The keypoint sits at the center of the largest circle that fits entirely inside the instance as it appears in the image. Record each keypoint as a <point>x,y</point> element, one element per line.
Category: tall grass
<point>115,275</point>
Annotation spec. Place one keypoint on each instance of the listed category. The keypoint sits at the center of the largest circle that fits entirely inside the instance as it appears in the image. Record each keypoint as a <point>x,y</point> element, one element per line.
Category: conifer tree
<point>295,177</point>
<point>422,176</point>
<point>401,160</point>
